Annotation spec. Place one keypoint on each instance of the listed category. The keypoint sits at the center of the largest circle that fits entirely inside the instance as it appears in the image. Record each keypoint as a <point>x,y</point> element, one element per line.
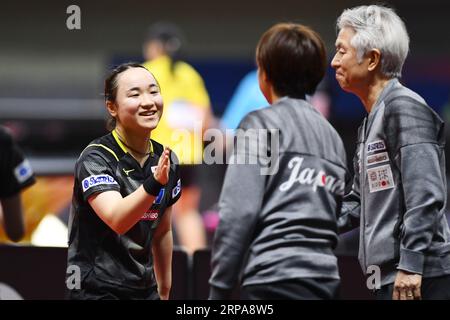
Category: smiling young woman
<point>125,184</point>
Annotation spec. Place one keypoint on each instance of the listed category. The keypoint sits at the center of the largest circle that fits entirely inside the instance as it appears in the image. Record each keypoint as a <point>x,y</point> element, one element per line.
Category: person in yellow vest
<point>187,113</point>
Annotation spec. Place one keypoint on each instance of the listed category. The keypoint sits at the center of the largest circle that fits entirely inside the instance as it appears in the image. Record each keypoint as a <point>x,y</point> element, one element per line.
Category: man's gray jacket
<point>399,188</point>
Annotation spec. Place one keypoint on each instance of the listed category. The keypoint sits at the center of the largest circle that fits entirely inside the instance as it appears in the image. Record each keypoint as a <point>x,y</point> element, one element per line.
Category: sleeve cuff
<point>216,293</point>
<point>411,261</point>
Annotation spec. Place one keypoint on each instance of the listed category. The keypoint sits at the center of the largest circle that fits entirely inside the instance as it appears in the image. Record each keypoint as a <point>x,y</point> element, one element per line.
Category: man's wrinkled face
<point>350,73</point>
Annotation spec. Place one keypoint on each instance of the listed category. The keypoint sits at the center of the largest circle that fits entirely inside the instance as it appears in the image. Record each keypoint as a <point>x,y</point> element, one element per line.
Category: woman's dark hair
<point>293,57</point>
<point>171,37</point>
<point>111,85</point>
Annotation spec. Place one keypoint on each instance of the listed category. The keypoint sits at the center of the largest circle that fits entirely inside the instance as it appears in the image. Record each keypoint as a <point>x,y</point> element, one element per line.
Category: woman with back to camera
<point>120,233</point>
<point>278,228</point>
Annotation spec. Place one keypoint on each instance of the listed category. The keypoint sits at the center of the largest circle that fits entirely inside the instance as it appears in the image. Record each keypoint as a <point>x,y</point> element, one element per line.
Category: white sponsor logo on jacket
<point>102,179</point>
<point>309,176</point>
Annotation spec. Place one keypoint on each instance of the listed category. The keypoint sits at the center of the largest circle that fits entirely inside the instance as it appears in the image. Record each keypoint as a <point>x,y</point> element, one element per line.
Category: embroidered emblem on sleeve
<point>176,190</point>
<point>23,171</point>
<point>91,181</point>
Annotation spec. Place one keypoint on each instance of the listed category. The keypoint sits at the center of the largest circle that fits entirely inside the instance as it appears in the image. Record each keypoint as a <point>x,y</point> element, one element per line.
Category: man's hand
<point>162,171</point>
<point>407,286</point>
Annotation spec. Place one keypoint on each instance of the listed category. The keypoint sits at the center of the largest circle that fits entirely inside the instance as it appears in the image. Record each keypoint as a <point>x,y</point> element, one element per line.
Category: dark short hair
<point>169,34</point>
<point>293,57</point>
<point>111,86</point>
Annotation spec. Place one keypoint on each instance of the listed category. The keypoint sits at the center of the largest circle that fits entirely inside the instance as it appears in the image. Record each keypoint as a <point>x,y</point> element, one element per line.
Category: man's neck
<point>370,95</point>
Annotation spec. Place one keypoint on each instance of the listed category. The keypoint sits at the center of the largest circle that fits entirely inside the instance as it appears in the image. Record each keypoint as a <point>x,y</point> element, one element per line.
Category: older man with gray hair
<point>399,188</point>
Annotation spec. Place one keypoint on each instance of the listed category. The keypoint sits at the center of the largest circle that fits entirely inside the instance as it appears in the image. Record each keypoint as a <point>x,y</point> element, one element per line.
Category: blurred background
<point>51,78</point>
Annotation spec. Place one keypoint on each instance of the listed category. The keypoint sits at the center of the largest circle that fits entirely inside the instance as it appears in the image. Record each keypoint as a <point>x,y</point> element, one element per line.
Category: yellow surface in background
<point>183,83</point>
<point>47,195</point>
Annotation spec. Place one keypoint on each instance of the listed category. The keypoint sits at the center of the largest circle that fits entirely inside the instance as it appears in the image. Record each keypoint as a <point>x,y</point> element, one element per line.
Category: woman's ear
<point>374,59</point>
<point>112,108</point>
<point>264,85</point>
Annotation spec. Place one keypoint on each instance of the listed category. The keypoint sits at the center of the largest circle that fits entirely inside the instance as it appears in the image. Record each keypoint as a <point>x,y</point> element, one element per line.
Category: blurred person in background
<point>248,97</point>
<point>399,189</point>
<point>15,175</point>
<point>187,113</point>
<point>277,231</point>
<point>120,230</point>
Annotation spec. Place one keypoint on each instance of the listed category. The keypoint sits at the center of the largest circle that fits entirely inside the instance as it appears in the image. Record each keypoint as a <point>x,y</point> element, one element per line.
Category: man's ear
<point>374,59</point>
<point>112,108</point>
